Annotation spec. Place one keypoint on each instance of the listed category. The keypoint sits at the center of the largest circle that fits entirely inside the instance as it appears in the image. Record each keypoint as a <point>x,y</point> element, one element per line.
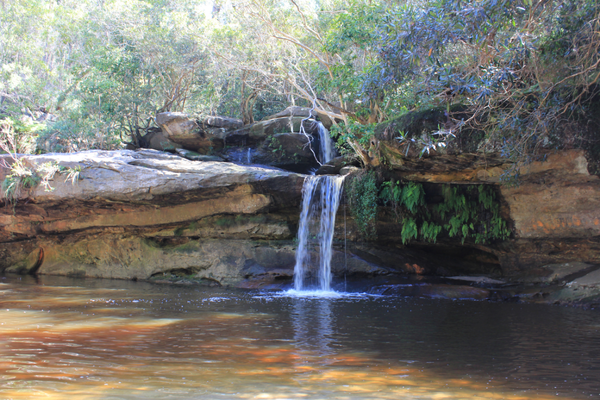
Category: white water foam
<point>326,145</point>
<point>317,212</point>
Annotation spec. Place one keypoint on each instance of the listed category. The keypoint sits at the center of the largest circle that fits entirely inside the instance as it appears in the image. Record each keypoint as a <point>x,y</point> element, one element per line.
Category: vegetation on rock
<point>467,212</point>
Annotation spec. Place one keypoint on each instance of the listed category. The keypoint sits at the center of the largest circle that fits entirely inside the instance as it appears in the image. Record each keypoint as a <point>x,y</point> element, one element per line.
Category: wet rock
<point>553,273</point>
<point>434,291</point>
<point>591,280</point>
<point>129,257</point>
<point>583,291</point>
<point>286,150</point>
<point>477,279</point>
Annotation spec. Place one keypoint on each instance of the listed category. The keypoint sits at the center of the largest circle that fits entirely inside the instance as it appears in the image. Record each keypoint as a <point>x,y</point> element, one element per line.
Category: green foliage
<point>19,135</point>
<point>429,231</point>
<point>20,177</point>
<point>353,131</point>
<point>413,196</point>
<point>469,213</point>
<point>409,230</point>
<point>526,70</point>
<point>103,69</point>
<point>361,195</point>
<point>24,177</point>
<point>466,212</point>
<point>276,148</point>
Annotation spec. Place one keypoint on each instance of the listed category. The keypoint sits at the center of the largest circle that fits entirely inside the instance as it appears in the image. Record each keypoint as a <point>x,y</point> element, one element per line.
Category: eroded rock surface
<point>133,214</point>
<point>144,214</point>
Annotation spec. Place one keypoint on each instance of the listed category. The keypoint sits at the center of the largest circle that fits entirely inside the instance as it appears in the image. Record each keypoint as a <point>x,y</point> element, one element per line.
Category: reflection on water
<point>313,332</point>
<point>62,338</point>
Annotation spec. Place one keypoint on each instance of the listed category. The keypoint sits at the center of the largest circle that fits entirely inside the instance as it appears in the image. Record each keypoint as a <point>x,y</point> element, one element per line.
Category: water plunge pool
<point>91,339</point>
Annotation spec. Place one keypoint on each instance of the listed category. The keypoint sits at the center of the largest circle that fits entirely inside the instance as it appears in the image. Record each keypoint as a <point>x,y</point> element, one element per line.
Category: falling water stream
<point>326,147</point>
<point>320,202</point>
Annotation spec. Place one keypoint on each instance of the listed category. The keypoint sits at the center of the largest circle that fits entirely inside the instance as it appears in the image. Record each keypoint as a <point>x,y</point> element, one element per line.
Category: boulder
<point>225,123</point>
<point>175,123</point>
<point>335,166</point>
<point>259,131</point>
<point>286,150</point>
<point>583,291</point>
<point>179,128</point>
<point>304,112</point>
<point>156,140</point>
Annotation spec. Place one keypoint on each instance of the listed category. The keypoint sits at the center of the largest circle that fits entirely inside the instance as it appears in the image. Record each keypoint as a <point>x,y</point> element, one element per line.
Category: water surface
<point>90,339</point>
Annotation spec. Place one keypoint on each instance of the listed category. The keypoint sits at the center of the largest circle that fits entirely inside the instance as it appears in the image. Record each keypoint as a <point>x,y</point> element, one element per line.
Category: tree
<point>526,70</point>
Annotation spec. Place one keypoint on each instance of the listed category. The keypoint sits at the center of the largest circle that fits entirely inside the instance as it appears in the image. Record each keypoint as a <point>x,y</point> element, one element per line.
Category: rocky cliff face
<point>152,215</point>
<point>288,139</point>
<point>148,214</point>
<point>137,214</point>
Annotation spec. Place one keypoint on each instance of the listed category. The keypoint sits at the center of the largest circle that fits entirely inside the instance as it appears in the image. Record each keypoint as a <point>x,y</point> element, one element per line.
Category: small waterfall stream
<point>327,147</point>
<point>320,201</point>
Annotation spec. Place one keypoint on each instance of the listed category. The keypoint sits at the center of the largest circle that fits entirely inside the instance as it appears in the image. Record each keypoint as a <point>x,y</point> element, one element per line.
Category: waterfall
<point>320,201</point>
<point>326,147</point>
<point>249,156</point>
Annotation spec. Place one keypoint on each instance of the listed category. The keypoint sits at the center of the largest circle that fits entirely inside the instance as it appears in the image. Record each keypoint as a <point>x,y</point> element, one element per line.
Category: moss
<point>225,222</point>
<point>361,196</point>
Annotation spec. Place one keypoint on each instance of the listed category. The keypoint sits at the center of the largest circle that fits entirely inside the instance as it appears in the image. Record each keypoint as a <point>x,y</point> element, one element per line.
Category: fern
<point>409,230</point>
<point>412,196</point>
<point>430,231</point>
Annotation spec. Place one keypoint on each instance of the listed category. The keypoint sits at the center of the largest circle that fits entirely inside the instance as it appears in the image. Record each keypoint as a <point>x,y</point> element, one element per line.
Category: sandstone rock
<point>349,170</point>
<point>192,155</point>
<point>223,122</point>
<point>591,279</point>
<point>175,123</point>
<point>179,128</point>
<point>293,111</point>
<point>286,150</point>
<point>136,258</point>
<point>335,166</point>
<point>477,279</point>
<point>554,273</point>
<point>158,141</point>
<point>259,131</point>
<point>434,291</point>
<point>141,175</point>
<point>127,204</point>
<point>557,199</point>
<point>583,291</point>
<point>303,112</point>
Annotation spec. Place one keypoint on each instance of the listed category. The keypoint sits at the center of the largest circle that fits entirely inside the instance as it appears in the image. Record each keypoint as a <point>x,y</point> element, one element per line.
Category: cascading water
<point>320,201</point>
<point>326,148</point>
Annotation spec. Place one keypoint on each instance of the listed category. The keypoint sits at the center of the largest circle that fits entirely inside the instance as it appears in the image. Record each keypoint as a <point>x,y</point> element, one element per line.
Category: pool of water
<point>98,339</point>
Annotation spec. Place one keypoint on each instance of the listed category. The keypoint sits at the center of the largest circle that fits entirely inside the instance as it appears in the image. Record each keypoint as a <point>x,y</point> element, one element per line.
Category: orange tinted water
<point>92,339</point>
